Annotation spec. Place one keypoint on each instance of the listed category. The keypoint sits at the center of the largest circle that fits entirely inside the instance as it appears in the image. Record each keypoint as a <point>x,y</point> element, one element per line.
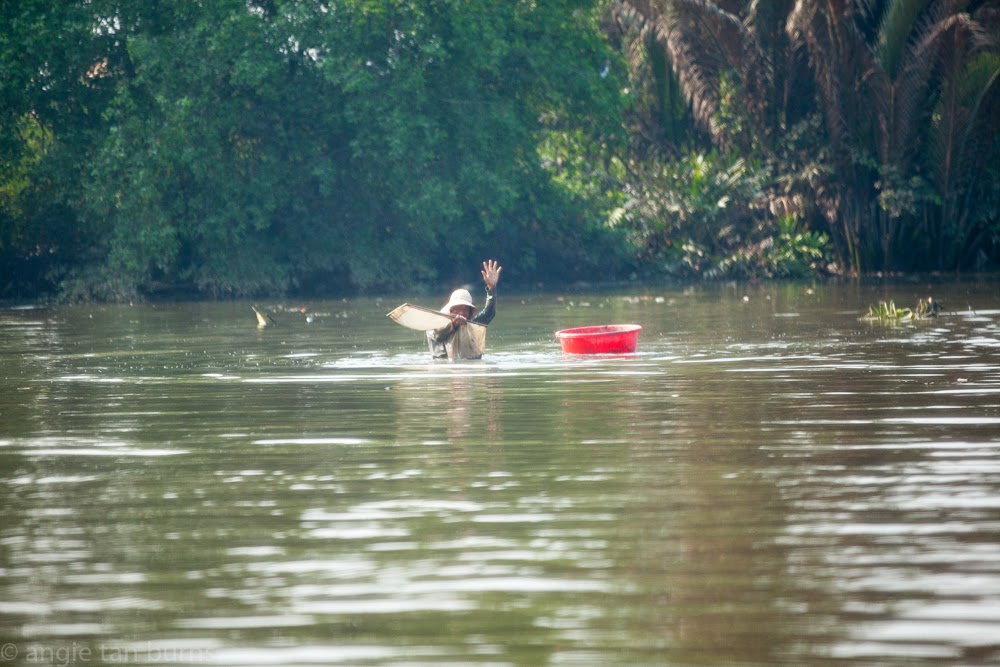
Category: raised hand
<point>491,274</point>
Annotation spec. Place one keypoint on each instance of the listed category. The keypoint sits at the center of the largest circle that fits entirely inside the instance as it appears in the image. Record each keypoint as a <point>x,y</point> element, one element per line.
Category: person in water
<point>460,305</point>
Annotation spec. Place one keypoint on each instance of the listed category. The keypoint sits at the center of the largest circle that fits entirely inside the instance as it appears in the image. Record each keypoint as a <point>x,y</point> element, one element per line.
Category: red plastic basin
<point>603,339</point>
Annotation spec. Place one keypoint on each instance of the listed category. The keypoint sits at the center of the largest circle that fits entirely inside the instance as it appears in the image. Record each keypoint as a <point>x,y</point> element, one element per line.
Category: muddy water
<point>767,481</point>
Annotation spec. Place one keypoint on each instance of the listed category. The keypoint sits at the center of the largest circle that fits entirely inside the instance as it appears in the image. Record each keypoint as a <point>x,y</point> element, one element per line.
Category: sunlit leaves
<point>239,147</point>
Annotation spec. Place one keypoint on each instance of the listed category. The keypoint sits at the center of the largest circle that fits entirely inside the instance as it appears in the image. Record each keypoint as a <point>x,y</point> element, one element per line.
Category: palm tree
<point>906,92</point>
<point>716,51</point>
<point>879,90</point>
<point>959,145</point>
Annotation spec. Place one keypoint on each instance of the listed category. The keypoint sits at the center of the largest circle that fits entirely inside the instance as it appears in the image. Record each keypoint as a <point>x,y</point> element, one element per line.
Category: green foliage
<point>693,213</point>
<point>891,89</point>
<point>888,79</point>
<point>56,67</point>
<point>792,252</point>
<point>15,180</point>
<point>243,147</point>
<point>888,313</point>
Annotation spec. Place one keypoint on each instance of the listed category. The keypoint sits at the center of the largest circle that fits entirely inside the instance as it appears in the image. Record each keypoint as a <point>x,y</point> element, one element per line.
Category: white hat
<point>459,297</point>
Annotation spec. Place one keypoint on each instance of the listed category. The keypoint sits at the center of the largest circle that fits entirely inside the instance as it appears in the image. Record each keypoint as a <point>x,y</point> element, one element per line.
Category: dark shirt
<point>438,337</point>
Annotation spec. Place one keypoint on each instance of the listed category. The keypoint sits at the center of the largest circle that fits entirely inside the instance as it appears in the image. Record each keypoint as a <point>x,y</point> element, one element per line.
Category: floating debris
<point>888,313</point>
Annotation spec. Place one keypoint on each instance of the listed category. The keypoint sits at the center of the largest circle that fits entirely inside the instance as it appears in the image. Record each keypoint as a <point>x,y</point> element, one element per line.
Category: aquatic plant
<point>888,313</point>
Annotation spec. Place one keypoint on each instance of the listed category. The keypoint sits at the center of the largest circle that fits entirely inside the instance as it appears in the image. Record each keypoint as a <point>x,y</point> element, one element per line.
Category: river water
<point>767,481</point>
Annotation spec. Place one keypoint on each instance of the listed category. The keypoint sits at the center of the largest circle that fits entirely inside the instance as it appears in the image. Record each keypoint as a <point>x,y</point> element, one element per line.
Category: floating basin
<point>601,339</point>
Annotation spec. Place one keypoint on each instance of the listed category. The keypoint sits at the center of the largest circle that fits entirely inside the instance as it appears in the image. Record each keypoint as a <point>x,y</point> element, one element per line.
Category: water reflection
<point>767,481</point>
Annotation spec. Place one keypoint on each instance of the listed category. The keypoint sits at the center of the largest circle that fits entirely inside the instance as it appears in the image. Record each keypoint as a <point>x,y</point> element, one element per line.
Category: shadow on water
<point>766,481</point>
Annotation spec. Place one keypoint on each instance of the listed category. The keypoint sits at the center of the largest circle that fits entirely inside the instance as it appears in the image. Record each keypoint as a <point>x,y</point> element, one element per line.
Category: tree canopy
<point>875,122</point>
<point>241,147</point>
<point>245,147</point>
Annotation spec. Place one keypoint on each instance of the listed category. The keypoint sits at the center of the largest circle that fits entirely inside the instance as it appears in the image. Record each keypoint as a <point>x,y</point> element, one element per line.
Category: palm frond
<point>658,117</point>
<point>895,31</point>
<point>981,81</point>
<point>696,61</point>
<point>942,38</point>
<point>842,66</point>
<point>945,132</point>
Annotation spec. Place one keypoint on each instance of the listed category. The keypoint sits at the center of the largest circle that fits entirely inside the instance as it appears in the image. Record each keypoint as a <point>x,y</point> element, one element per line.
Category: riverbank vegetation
<point>246,147</point>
